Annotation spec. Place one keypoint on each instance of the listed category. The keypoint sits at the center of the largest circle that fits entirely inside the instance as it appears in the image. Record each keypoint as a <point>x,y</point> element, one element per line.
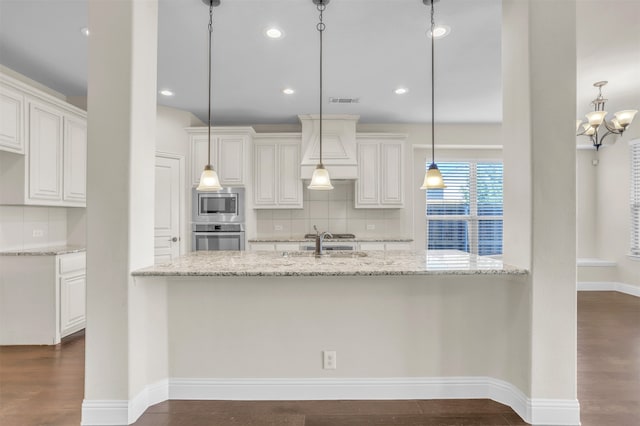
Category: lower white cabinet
<point>42,298</point>
<point>72,279</point>
<point>384,246</point>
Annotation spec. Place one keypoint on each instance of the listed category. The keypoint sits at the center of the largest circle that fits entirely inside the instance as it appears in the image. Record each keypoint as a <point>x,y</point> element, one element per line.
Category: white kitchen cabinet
<point>11,120</point>
<point>262,246</point>
<point>45,152</point>
<point>52,171</point>
<point>277,183</point>
<point>229,153</point>
<point>384,245</point>
<point>73,283</point>
<point>75,160</point>
<point>380,181</point>
<point>43,298</point>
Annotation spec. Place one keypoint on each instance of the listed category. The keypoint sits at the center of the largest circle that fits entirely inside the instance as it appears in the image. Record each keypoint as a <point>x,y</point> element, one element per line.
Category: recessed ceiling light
<point>440,31</point>
<point>401,90</point>
<point>288,91</point>
<point>85,31</point>
<point>166,92</point>
<point>274,32</point>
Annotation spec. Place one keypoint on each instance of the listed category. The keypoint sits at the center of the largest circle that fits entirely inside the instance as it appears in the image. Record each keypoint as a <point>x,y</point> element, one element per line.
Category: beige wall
<point>25,227</point>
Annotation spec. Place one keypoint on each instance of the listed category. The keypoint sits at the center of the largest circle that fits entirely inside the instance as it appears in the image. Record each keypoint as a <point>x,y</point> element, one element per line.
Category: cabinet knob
<point>174,239</point>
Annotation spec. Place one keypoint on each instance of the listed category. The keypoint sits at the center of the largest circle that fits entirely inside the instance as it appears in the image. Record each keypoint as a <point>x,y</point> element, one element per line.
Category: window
<point>467,214</point>
<point>635,199</point>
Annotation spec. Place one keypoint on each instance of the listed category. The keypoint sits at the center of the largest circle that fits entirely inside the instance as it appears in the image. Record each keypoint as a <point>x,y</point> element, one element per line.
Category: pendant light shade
<point>320,180</point>
<point>433,178</point>
<point>209,178</point>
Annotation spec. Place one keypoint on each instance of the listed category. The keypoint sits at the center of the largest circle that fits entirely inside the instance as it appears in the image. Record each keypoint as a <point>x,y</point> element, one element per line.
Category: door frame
<point>182,209</point>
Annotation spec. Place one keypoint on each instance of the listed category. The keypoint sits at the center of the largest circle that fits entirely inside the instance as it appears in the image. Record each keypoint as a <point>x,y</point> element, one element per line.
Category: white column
<point>121,121</point>
<point>539,73</point>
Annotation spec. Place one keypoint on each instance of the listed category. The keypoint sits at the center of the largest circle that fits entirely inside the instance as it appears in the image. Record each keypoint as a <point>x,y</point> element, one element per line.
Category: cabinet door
<point>45,152</point>
<point>231,153</point>
<point>288,175</point>
<point>264,175</point>
<point>199,158</point>
<point>72,304</point>
<point>367,191</point>
<point>75,160</point>
<point>391,188</point>
<point>11,120</point>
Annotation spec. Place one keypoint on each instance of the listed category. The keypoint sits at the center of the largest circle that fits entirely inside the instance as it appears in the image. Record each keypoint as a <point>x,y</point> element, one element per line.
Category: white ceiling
<point>371,47</point>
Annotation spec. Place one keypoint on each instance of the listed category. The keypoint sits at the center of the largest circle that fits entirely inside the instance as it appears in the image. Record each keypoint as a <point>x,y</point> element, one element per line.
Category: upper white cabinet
<point>276,168</point>
<point>52,171</point>
<point>380,171</point>
<point>11,119</point>
<point>229,153</point>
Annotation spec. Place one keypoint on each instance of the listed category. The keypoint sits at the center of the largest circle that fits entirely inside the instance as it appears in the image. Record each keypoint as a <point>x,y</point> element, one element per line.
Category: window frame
<point>634,199</point>
<point>472,218</point>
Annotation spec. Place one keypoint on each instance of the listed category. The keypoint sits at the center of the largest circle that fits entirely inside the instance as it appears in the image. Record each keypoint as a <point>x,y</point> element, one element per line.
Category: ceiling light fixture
<point>439,31</point>
<point>320,179</point>
<point>166,92</point>
<point>209,179</point>
<point>85,31</point>
<point>598,117</point>
<point>401,90</point>
<point>433,177</point>
<point>288,91</point>
<point>274,33</point>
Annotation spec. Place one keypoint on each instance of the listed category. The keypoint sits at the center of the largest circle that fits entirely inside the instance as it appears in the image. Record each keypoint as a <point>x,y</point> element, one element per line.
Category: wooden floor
<point>43,385</point>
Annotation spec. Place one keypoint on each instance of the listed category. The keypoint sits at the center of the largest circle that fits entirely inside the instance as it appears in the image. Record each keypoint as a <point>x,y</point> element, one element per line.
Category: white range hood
<point>339,154</point>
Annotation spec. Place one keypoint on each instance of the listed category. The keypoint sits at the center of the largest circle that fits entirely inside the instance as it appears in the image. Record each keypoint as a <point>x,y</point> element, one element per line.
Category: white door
<point>167,209</point>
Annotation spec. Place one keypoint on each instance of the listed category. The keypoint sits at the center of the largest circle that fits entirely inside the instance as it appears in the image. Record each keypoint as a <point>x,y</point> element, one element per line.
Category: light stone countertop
<point>44,251</point>
<point>331,240</point>
<point>342,263</point>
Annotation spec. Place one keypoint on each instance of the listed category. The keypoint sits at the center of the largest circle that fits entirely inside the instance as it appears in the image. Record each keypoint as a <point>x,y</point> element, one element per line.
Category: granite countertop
<point>44,251</point>
<point>331,240</point>
<point>341,263</point>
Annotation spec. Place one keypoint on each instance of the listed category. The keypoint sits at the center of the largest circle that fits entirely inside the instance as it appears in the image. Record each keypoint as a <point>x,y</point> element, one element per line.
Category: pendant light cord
<point>320,27</point>
<point>210,35</point>
<point>433,120</point>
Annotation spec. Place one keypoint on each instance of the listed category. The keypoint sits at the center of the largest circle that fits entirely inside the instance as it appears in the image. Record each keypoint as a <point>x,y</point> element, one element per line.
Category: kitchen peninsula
<point>255,325</point>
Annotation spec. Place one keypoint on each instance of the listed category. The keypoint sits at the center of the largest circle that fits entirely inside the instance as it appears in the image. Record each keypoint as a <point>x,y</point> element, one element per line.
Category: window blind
<point>467,214</point>
<point>635,199</point>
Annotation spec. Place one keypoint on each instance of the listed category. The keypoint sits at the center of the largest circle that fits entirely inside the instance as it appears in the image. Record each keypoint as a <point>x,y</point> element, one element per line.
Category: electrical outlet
<point>370,226</point>
<point>329,360</point>
<point>38,233</point>
<point>277,227</point>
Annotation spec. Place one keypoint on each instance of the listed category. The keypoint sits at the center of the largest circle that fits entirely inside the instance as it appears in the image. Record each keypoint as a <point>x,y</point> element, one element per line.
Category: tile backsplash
<point>331,211</point>
<point>24,227</point>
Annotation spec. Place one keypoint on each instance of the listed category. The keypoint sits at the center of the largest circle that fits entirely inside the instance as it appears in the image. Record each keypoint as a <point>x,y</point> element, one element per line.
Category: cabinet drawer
<point>72,262</point>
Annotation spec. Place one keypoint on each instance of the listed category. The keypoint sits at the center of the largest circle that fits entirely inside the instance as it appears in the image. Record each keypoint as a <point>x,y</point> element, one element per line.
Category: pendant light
<point>209,178</point>
<point>433,177</point>
<point>320,179</point>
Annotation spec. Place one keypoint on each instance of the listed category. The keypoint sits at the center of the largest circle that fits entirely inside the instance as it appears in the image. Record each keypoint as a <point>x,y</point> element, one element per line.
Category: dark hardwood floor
<point>43,385</point>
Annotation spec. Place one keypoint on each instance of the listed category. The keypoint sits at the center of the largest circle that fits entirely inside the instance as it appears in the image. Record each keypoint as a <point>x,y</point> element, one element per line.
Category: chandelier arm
<point>612,129</point>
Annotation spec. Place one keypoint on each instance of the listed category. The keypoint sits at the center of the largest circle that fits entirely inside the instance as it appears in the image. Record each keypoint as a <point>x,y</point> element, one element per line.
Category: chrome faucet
<point>319,240</point>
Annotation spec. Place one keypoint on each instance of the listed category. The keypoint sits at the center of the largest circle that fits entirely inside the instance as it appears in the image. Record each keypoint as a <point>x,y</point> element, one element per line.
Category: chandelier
<point>597,127</point>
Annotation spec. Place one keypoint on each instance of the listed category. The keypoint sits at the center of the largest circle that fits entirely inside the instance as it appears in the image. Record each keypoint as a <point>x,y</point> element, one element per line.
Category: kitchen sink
<point>330,254</point>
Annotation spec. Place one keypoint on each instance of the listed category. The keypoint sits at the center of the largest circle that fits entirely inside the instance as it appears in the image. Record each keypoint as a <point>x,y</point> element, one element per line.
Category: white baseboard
<point>609,286</point>
<point>536,411</point>
<point>123,412</point>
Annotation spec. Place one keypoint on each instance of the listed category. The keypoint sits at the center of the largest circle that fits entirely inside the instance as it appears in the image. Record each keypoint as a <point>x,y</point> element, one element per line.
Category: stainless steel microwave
<point>224,206</point>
